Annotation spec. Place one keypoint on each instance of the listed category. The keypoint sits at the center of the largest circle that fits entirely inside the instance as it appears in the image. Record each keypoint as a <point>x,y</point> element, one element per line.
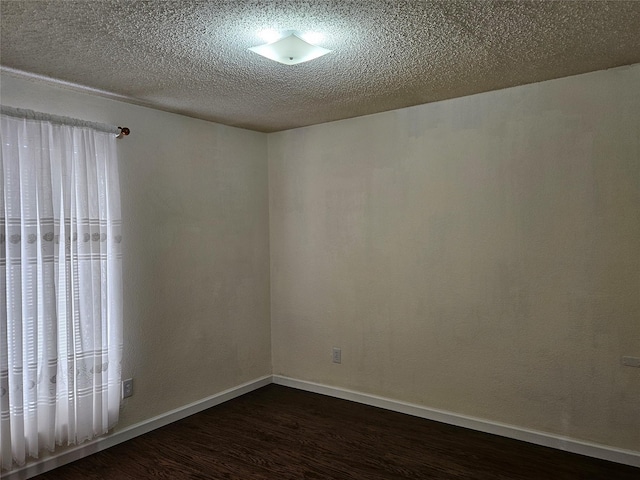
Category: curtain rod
<point>74,122</point>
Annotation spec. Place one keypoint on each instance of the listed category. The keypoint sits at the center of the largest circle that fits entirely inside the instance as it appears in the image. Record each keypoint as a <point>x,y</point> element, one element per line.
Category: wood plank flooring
<point>282,433</point>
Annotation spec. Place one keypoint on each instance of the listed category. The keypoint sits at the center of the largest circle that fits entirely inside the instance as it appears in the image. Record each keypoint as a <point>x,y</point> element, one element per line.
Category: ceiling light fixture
<point>290,50</point>
<point>270,35</point>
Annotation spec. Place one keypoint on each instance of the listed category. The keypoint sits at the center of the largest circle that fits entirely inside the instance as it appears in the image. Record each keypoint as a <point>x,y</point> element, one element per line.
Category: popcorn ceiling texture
<point>191,57</point>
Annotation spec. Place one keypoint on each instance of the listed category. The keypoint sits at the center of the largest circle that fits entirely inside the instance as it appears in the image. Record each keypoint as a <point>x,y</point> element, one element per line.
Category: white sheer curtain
<point>60,286</point>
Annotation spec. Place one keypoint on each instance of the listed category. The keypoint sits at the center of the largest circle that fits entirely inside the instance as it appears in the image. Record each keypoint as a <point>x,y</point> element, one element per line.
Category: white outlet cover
<point>337,355</point>
<point>631,361</point>
<point>127,388</point>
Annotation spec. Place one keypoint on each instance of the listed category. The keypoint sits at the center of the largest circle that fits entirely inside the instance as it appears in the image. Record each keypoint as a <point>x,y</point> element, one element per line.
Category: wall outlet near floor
<point>631,361</point>
<point>336,357</point>
<point>127,388</point>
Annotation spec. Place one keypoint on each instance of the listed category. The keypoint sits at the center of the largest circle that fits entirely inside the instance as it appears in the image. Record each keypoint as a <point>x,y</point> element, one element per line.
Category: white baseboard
<point>604,452</point>
<point>119,436</point>
<point>627,457</point>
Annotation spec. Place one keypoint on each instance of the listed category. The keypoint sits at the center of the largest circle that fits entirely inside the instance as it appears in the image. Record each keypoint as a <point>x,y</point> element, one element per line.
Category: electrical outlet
<point>127,388</point>
<point>631,361</point>
<point>337,355</point>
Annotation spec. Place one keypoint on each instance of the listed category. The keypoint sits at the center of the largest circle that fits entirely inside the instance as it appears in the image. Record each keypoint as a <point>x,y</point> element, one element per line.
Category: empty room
<point>320,239</point>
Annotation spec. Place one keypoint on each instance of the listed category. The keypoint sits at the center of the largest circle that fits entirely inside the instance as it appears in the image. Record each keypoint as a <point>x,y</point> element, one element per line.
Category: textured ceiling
<point>191,57</point>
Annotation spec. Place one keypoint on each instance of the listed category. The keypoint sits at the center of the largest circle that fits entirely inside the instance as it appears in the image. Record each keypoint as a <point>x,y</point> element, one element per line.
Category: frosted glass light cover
<point>290,50</point>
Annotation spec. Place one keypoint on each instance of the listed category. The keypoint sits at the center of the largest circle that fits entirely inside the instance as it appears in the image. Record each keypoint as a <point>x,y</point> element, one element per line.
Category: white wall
<point>479,255</point>
<point>196,248</point>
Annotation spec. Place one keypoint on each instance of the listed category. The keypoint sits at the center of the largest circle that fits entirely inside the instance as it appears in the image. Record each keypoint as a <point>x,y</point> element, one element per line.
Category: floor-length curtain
<point>60,286</point>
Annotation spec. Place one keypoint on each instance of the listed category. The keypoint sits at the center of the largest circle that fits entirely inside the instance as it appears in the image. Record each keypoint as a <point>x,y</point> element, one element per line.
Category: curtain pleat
<point>60,286</point>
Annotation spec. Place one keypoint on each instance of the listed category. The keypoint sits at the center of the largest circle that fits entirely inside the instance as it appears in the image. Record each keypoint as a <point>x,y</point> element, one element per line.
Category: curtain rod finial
<point>124,131</point>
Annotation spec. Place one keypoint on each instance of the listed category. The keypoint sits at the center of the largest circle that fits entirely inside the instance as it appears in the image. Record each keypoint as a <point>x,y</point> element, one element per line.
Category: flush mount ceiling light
<point>290,50</point>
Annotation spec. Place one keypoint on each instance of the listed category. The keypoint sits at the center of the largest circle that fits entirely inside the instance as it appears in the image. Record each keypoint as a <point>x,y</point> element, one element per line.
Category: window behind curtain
<point>60,286</point>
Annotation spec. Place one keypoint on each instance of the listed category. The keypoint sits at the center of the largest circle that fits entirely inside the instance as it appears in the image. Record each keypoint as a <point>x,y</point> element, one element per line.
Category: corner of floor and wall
<point>475,261</point>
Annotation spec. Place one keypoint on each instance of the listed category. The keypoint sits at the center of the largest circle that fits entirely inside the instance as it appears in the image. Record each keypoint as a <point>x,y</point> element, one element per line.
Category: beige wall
<point>478,255</point>
<point>196,248</point>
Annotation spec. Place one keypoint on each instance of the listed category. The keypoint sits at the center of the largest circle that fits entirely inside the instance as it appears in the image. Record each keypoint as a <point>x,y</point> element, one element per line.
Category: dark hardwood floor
<point>283,433</point>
